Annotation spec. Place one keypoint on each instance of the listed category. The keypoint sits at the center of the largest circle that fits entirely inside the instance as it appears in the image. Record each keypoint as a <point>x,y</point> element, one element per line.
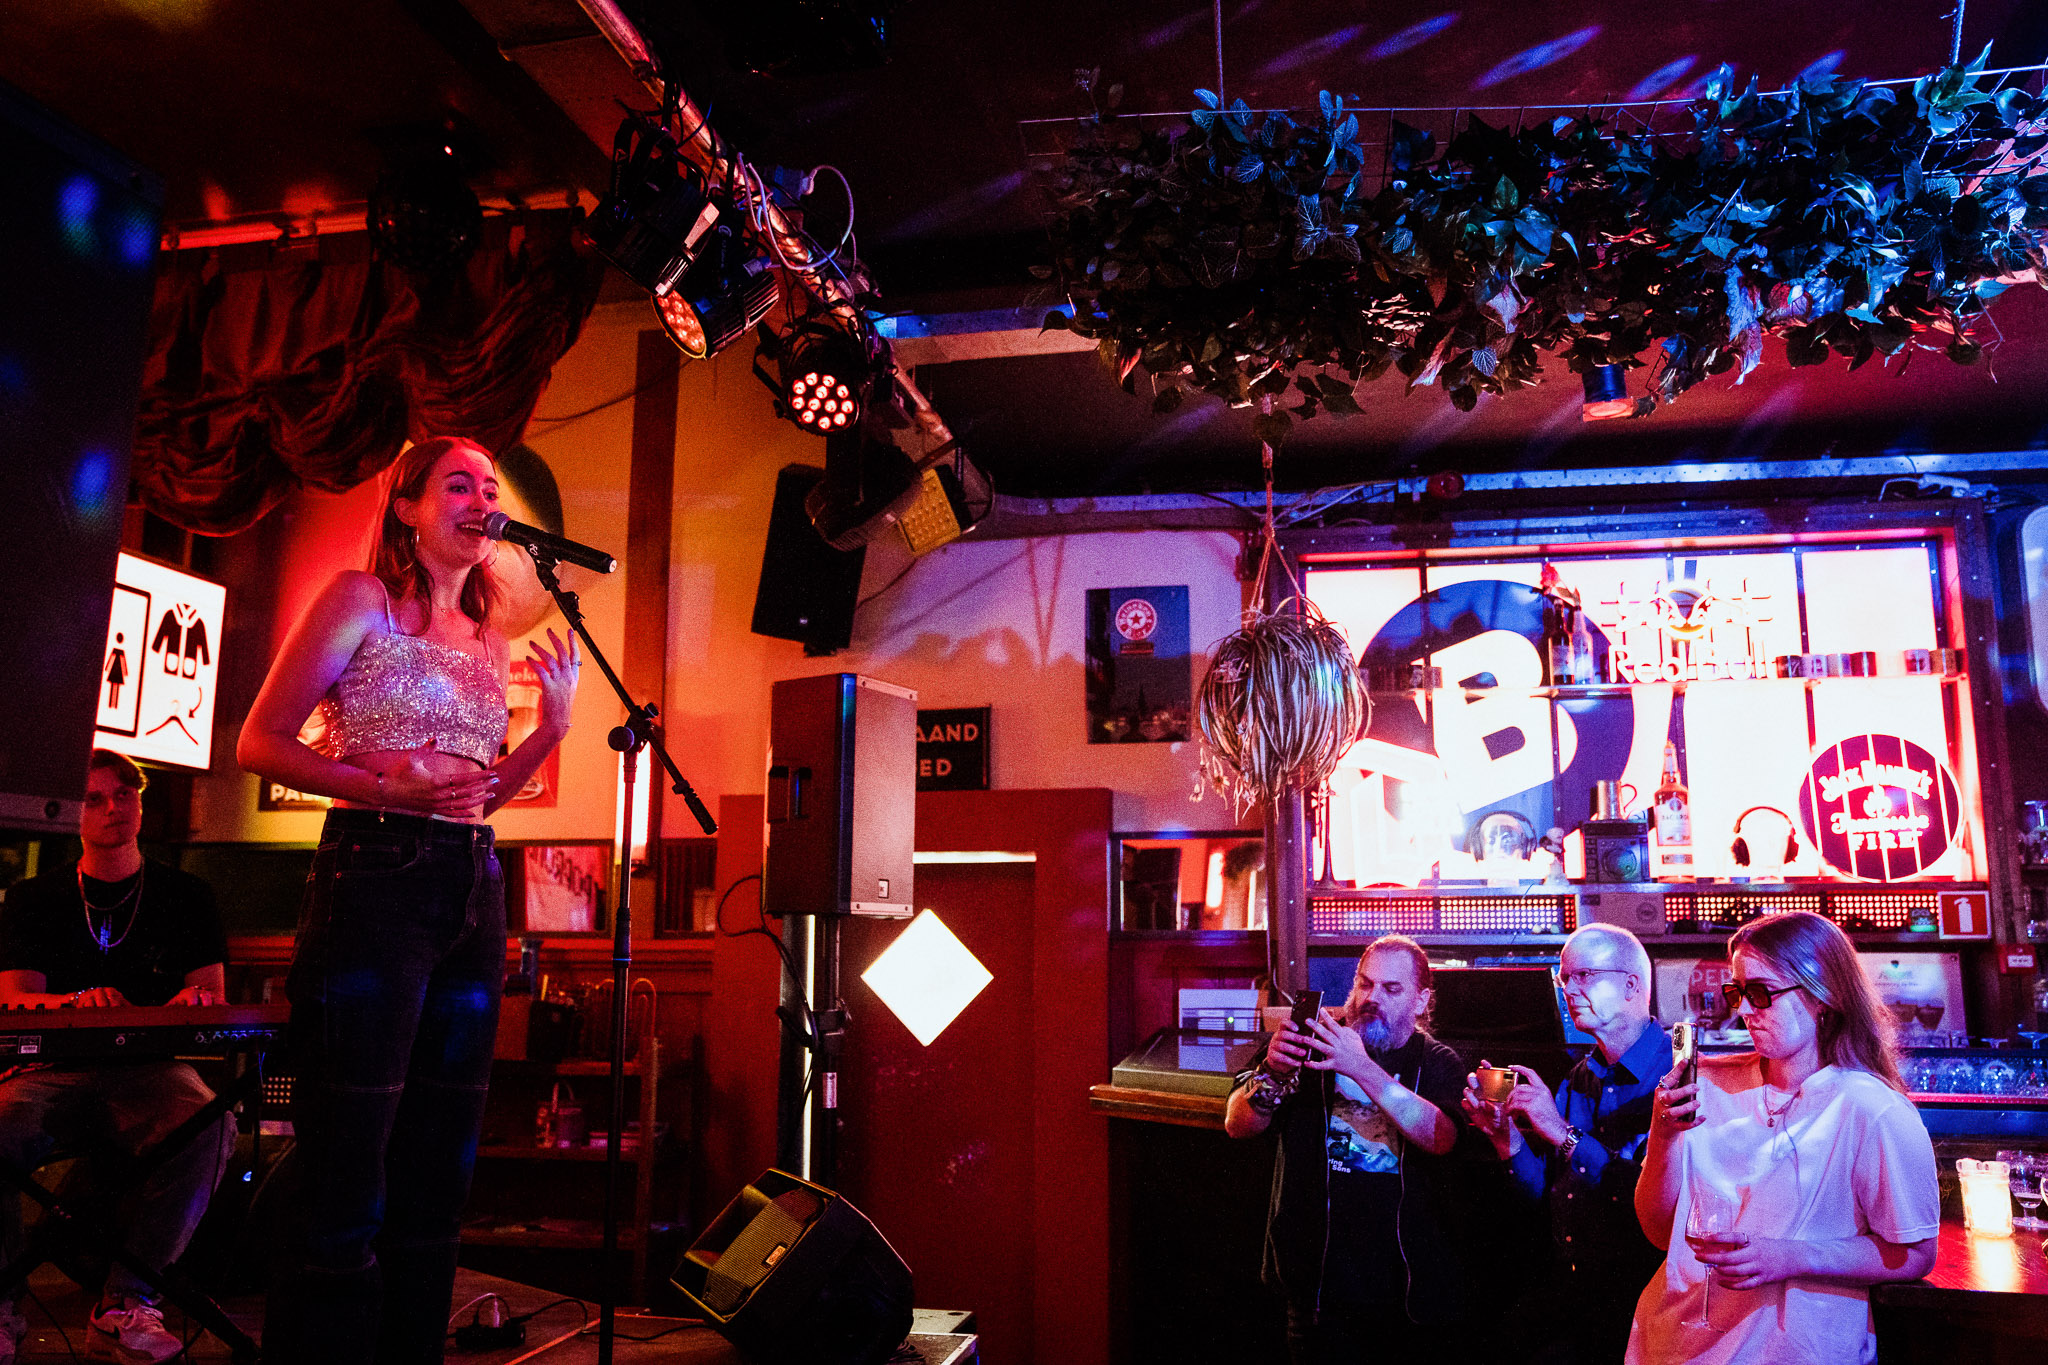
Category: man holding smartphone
<point>1365,1105</point>
<point>1592,1133</point>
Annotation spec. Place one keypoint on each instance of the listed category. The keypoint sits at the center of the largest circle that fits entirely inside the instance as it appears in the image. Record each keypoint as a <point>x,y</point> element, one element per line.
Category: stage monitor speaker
<point>78,230</point>
<point>808,590</point>
<point>842,797</point>
<point>792,1274</point>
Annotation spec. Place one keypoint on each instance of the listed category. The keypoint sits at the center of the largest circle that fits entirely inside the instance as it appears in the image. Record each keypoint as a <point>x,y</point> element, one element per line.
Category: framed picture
<point>557,888</point>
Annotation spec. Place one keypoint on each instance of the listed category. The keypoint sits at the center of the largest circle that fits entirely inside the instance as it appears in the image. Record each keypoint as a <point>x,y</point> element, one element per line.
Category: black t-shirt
<point>153,939</point>
<point>1341,1157</point>
<point>1365,1153</point>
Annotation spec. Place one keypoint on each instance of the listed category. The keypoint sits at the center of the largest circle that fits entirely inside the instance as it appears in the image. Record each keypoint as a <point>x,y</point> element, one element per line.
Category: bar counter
<point>1985,1301</point>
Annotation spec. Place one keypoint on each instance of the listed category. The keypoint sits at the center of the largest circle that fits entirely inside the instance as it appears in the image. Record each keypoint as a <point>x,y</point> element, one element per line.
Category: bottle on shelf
<point>1560,606</point>
<point>1585,664</point>
<point>1672,815</point>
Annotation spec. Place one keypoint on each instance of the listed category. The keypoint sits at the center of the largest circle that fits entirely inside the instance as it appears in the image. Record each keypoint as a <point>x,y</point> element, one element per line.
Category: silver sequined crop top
<point>400,691</point>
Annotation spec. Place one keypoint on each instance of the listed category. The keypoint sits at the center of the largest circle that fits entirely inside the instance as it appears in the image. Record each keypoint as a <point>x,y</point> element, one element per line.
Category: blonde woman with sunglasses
<point>1823,1166</point>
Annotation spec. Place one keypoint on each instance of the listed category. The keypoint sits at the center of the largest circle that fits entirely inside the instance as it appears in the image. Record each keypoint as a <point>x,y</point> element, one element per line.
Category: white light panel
<point>926,977</point>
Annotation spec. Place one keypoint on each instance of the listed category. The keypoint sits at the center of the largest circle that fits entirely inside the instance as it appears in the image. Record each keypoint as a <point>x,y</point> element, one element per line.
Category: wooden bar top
<point>1966,1263</point>
<point>1158,1106</point>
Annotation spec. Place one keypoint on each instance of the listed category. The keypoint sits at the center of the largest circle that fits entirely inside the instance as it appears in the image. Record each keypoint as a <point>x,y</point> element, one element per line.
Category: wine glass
<point>1958,1076</point>
<point>1997,1077</point>
<point>2026,1179</point>
<point>1709,1224</point>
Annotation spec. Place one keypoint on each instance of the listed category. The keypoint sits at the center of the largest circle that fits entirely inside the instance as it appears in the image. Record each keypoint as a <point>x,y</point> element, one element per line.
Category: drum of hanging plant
<point>1280,704</point>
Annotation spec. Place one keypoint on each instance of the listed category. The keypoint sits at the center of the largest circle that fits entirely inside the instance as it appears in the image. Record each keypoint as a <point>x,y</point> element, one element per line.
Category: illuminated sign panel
<point>1689,648</point>
<point>157,677</point>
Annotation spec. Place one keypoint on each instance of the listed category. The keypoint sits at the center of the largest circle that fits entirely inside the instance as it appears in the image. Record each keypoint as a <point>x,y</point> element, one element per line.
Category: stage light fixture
<point>653,222</point>
<point>1606,394</point>
<point>422,215</point>
<point>825,374</point>
<point>729,289</point>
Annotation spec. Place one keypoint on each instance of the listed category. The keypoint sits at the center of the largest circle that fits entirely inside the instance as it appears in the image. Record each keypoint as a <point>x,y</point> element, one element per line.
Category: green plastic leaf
<point>1272,428</point>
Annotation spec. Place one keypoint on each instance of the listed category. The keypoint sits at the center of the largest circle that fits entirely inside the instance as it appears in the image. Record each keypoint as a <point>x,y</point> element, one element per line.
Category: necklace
<point>102,933</point>
<point>1771,1116</point>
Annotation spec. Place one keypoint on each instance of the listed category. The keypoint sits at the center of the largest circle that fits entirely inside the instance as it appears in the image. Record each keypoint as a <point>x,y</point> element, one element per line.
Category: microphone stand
<point>628,739</point>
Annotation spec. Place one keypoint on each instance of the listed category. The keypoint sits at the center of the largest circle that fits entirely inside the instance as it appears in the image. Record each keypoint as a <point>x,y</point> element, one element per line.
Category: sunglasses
<point>1756,993</point>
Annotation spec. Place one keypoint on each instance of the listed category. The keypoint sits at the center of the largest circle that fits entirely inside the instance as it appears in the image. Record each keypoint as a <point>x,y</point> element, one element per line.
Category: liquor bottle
<point>1584,663</point>
<point>1674,821</point>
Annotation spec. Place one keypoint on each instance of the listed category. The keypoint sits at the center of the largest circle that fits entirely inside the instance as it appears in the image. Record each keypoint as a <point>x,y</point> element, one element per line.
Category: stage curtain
<point>273,367</point>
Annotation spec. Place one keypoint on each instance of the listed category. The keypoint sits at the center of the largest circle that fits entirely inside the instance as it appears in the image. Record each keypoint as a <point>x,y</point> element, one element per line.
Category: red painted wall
<point>978,1158</point>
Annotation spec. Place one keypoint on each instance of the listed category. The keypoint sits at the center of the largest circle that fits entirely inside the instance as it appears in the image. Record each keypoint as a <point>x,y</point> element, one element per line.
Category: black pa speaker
<point>842,797</point>
<point>78,230</point>
<point>792,1274</point>
<point>808,590</point>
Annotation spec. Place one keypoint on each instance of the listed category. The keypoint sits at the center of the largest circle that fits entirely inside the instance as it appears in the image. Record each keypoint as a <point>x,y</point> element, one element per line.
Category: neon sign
<point>1685,631</point>
<point>1880,808</point>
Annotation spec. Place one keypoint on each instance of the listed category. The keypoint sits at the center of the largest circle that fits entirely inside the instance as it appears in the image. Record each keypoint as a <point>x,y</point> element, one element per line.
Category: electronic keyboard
<point>74,1034</point>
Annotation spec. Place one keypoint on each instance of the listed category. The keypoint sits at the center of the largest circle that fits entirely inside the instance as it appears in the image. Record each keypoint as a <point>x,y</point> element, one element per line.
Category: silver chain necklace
<point>101,933</point>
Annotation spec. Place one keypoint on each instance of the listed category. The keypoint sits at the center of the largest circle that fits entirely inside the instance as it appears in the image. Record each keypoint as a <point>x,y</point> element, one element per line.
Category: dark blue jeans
<point>394,987</point>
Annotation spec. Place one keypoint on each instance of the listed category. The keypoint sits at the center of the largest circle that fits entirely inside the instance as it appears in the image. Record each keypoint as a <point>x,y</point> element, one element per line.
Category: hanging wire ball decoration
<point>1281,703</point>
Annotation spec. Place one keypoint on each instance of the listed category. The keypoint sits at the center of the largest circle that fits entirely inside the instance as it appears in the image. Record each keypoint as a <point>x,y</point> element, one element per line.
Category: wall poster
<point>1140,682</point>
<point>1859,768</point>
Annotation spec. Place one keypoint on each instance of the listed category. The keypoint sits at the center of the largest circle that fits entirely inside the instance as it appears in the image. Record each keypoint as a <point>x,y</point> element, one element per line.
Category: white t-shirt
<point>1842,1156</point>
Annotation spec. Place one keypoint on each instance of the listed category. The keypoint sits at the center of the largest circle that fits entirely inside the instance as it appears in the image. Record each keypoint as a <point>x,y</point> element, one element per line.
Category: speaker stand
<point>629,739</point>
<point>807,1090</point>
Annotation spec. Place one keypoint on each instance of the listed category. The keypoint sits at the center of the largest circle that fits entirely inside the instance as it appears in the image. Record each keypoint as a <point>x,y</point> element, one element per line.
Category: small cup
<point>1497,1083</point>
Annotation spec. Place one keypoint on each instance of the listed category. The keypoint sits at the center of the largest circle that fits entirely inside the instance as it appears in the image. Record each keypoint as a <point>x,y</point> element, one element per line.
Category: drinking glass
<point>1958,1077</point>
<point>1997,1077</point>
<point>2027,1179</point>
<point>2033,1080</point>
<point>1709,1224</point>
<point>1919,1075</point>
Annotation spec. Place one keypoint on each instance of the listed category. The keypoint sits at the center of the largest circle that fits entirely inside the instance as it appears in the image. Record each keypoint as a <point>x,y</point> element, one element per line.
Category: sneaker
<point>13,1327</point>
<point>131,1332</point>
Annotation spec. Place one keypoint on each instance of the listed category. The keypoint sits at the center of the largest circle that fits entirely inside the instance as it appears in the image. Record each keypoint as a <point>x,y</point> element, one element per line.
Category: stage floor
<point>681,1342</point>
<point>68,1305</point>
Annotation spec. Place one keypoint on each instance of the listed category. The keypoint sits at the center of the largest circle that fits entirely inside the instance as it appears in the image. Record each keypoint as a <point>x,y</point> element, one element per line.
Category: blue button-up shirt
<point>1592,1197</point>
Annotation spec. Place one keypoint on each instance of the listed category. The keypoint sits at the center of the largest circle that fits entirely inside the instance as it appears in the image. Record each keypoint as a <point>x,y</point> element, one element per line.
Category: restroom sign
<point>158,675</point>
<point>952,750</point>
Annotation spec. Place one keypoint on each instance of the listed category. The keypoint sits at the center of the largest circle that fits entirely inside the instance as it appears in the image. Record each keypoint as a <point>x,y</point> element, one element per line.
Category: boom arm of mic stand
<point>639,719</point>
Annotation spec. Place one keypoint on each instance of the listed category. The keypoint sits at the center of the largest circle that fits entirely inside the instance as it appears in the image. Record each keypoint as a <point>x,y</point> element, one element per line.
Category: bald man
<point>1591,1133</point>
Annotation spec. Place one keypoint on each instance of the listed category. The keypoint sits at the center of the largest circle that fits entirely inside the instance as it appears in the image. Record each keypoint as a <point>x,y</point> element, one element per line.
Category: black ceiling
<point>249,107</point>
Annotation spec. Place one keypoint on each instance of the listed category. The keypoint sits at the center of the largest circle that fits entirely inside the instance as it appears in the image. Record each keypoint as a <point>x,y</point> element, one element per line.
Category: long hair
<point>1425,974</point>
<point>1854,1029</point>
<point>395,558</point>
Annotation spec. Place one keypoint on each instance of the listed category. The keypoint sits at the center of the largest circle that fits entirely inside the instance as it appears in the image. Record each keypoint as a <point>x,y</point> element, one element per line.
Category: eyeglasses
<point>1756,993</point>
<point>1582,977</point>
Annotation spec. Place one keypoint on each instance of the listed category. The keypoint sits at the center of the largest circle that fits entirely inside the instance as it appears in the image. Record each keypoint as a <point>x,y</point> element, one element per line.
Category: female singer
<point>1822,1169</point>
<point>401,944</point>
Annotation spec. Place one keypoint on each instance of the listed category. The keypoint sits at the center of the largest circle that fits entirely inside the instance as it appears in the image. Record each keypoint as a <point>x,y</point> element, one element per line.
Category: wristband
<point>1265,1092</point>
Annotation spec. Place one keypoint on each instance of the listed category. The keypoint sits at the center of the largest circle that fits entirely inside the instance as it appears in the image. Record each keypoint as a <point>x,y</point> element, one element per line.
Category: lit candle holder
<point>1987,1197</point>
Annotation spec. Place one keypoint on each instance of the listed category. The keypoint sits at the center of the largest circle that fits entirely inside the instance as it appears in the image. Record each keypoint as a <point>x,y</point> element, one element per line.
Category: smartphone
<point>1306,1005</point>
<point>1685,1051</point>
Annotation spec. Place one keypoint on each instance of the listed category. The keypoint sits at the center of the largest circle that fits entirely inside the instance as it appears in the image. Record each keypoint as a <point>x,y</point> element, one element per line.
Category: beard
<point>1374,1033</point>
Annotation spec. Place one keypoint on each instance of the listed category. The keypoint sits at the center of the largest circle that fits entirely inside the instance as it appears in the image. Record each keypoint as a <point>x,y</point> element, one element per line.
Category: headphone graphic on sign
<point>1740,848</point>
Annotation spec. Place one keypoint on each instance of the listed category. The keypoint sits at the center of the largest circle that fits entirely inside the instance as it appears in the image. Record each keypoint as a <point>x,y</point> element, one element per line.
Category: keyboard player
<point>118,929</point>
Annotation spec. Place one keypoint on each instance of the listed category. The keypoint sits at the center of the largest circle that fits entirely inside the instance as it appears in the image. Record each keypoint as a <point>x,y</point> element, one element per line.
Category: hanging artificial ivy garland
<point>1251,255</point>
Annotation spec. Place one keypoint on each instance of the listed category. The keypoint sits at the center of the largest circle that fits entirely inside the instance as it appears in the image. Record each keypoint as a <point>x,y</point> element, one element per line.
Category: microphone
<point>543,545</point>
